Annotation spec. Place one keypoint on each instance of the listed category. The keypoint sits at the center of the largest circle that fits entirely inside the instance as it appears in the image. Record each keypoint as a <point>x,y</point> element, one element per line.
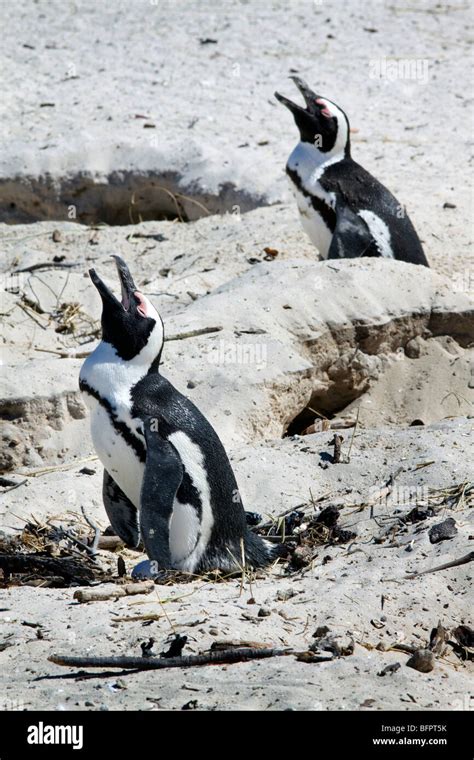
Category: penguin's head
<point>131,326</point>
<point>322,123</point>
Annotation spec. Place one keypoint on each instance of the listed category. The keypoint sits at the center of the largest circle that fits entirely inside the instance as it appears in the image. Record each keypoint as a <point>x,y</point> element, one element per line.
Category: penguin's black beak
<point>293,107</point>
<point>126,282</point>
<point>308,95</point>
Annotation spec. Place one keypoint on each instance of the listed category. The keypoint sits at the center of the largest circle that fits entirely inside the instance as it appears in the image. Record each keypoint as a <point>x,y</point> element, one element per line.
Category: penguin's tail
<point>260,553</point>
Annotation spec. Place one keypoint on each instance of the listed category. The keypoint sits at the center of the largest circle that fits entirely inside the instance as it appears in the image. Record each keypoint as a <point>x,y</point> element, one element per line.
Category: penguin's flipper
<point>163,475</point>
<point>352,237</point>
<point>120,511</point>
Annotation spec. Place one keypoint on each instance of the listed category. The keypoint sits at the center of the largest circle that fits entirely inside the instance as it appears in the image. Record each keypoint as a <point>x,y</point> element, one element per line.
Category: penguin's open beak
<point>309,96</point>
<point>307,93</point>
<point>293,107</point>
<point>126,282</point>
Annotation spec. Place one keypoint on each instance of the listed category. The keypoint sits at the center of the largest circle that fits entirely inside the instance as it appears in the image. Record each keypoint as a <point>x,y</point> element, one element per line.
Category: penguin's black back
<point>358,189</point>
<point>155,397</point>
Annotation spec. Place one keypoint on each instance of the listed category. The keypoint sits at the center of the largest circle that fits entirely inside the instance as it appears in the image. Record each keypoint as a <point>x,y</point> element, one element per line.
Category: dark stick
<point>337,443</point>
<point>225,657</point>
<point>455,563</point>
<point>17,485</point>
<point>67,568</point>
<point>45,265</point>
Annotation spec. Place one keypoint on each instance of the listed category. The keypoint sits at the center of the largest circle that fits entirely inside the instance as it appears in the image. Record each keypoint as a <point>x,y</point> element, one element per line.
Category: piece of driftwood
<point>110,543</point>
<point>65,567</point>
<point>113,592</point>
<point>47,265</point>
<point>194,333</point>
<point>226,657</point>
<point>337,443</point>
<point>225,644</point>
<point>455,563</point>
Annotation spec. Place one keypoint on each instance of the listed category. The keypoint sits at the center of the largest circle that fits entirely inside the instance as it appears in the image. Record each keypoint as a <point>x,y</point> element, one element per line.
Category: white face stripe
<point>379,231</point>
<point>342,128</point>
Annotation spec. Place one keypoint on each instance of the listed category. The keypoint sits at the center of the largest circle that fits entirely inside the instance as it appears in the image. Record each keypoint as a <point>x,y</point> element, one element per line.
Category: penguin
<point>345,211</point>
<point>167,479</point>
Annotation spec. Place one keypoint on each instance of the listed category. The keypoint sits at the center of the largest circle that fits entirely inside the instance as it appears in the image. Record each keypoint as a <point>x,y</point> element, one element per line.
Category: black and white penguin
<point>167,478</point>
<point>345,211</point>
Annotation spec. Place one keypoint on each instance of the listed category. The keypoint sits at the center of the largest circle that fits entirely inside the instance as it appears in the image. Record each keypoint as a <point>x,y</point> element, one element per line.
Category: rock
<point>321,631</point>
<point>377,623</point>
<point>443,531</point>
<point>314,656</point>
<point>340,645</point>
<point>285,594</point>
<point>301,557</point>
<point>390,669</point>
<point>438,639</point>
<point>464,635</point>
<point>264,612</point>
<point>413,347</point>
<point>422,660</point>
<point>328,517</point>
<point>417,514</point>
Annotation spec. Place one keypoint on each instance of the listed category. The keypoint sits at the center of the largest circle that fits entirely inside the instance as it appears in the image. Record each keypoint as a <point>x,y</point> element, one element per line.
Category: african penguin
<point>345,211</point>
<point>167,478</point>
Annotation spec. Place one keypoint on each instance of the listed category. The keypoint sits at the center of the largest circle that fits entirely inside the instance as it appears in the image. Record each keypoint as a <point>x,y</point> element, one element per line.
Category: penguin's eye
<point>142,305</point>
<point>324,110</point>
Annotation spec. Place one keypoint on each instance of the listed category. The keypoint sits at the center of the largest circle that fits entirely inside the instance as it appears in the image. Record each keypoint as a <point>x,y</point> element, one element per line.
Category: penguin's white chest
<point>118,457</point>
<point>312,221</point>
<point>307,165</point>
<point>112,426</point>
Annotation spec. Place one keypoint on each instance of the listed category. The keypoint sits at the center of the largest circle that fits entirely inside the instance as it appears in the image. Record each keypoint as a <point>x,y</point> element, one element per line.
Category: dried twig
<point>194,333</point>
<point>348,458</point>
<point>64,567</point>
<point>72,354</point>
<point>113,592</point>
<point>46,265</point>
<point>95,543</point>
<point>110,543</point>
<point>16,485</point>
<point>57,467</point>
<point>337,443</point>
<point>455,563</point>
<point>226,657</point>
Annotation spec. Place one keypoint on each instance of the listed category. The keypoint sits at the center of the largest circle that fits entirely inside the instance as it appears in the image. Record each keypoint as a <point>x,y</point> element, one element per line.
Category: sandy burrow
<point>80,80</point>
<point>292,331</point>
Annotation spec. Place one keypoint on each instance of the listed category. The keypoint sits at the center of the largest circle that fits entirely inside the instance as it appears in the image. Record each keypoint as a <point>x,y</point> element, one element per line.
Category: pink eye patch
<point>142,303</point>
<point>325,111</point>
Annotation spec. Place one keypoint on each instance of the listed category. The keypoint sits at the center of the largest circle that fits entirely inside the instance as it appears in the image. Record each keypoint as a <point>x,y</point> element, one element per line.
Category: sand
<point>383,341</point>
